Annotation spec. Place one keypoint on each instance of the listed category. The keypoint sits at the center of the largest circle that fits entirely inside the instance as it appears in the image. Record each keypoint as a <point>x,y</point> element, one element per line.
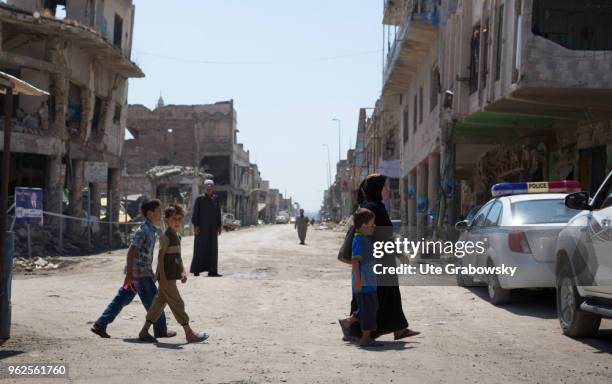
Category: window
<point>117,114</point>
<point>15,100</point>
<point>52,6</point>
<point>499,41</point>
<point>95,121</point>
<point>474,58</point>
<point>74,111</point>
<point>118,33</point>
<point>485,53</point>
<point>479,219</point>
<point>541,212</point>
<point>577,25</point>
<point>414,114</point>
<point>518,36</point>
<point>405,124</point>
<point>91,9</point>
<point>604,198</point>
<point>51,105</point>
<point>493,218</point>
<point>434,88</point>
<point>420,105</point>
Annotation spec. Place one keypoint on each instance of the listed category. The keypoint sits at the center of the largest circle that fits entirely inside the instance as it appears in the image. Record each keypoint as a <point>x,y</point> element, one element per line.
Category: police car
<point>518,228</point>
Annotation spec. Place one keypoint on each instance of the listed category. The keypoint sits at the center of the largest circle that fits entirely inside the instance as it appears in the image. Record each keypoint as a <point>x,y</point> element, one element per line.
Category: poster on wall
<point>28,206</point>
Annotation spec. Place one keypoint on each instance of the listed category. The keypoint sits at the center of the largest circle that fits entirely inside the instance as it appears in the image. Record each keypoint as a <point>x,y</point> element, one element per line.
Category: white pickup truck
<point>229,222</point>
<point>584,263</point>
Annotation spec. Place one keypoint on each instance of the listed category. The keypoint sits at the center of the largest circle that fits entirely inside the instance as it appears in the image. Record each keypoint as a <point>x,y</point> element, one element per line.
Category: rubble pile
<point>166,171</point>
<point>23,264</point>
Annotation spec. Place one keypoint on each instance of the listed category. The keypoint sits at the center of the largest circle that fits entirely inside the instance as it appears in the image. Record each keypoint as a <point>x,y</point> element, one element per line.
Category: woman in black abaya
<point>390,316</point>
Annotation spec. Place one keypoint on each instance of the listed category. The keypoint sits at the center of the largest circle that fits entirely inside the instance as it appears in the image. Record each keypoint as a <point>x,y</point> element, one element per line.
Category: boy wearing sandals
<point>363,277</point>
<point>169,270</point>
<point>139,277</point>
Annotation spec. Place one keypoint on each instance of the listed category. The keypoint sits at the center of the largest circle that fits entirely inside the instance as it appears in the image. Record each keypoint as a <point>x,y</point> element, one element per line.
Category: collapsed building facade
<point>203,137</point>
<point>73,139</point>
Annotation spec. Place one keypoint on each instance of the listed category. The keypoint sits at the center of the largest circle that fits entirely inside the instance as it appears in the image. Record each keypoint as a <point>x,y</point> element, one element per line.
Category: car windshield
<point>541,212</point>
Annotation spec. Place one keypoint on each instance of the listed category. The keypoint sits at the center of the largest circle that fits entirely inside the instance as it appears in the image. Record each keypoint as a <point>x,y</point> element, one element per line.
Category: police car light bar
<point>506,189</point>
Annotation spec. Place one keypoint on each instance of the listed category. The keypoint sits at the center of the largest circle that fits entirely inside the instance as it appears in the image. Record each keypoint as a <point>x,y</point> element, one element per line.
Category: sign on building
<point>28,205</point>
<point>96,171</point>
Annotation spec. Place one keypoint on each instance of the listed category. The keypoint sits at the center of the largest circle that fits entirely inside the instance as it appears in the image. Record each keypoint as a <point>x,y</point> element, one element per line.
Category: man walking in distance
<point>206,220</point>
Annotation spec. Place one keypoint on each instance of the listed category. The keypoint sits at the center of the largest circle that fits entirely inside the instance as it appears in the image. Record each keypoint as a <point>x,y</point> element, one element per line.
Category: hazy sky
<point>290,66</point>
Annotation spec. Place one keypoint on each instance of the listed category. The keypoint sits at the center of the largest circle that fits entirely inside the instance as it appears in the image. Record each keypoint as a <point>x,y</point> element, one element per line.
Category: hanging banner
<point>28,206</point>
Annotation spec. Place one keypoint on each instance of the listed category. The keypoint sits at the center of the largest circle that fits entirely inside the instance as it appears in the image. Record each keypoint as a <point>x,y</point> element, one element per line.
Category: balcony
<point>563,69</point>
<point>415,31</point>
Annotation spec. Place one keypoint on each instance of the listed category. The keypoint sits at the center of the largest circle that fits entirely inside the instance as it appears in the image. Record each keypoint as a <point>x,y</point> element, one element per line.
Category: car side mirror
<point>578,201</point>
<point>462,226</point>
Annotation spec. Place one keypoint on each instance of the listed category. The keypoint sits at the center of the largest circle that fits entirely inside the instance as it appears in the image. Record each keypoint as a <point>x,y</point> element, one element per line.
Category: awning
<point>502,128</point>
<point>19,86</point>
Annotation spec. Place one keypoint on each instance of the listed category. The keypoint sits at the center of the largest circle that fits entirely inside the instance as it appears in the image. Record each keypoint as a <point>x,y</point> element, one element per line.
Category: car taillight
<point>517,241</point>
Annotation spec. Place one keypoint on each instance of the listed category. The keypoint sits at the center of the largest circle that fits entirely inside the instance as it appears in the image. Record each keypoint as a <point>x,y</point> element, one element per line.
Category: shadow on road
<point>525,303</point>
<point>542,304</point>
<point>169,346</point>
<point>135,340</point>
<point>390,346</point>
<point>5,354</point>
<point>603,342</point>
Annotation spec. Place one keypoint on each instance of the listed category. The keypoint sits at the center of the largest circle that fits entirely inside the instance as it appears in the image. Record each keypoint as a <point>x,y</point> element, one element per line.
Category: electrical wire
<point>263,62</point>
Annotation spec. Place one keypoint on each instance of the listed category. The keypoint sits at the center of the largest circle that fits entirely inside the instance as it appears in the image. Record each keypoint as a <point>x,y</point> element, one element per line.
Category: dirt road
<point>273,316</point>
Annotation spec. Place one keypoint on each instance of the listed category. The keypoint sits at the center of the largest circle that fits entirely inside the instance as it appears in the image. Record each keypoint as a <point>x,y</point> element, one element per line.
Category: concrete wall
<point>547,64</point>
<point>426,138</point>
<point>197,131</point>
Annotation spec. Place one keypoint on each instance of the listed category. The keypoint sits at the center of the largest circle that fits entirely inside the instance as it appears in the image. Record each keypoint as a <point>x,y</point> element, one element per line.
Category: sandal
<point>198,338</point>
<point>147,338</point>
<point>406,332</point>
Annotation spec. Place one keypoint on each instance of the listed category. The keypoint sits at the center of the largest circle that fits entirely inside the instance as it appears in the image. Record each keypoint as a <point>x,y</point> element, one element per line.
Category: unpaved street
<point>273,316</point>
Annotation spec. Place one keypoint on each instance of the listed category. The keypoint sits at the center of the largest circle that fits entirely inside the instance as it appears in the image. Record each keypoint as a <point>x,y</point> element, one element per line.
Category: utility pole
<point>328,167</point>
<point>339,138</point>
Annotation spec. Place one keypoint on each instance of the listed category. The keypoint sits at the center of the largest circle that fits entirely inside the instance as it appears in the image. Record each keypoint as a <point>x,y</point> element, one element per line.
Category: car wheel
<point>497,294</point>
<point>573,321</point>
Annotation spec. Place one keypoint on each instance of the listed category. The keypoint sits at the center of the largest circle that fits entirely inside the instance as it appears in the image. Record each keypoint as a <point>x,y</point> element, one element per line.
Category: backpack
<point>346,250</point>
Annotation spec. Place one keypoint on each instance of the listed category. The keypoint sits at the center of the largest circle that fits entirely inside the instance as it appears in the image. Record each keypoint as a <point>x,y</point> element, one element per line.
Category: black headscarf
<point>371,188</point>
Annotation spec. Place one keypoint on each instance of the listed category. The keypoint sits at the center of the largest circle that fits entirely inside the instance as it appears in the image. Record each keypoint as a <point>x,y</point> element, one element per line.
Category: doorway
<point>592,167</point>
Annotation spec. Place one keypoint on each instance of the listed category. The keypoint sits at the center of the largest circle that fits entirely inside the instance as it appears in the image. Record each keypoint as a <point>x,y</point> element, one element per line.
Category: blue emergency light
<point>507,189</point>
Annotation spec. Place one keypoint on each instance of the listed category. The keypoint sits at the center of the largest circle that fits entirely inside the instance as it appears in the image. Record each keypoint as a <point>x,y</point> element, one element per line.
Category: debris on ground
<point>25,264</point>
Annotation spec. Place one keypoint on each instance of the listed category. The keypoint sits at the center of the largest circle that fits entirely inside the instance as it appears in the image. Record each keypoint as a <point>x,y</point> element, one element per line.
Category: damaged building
<point>495,90</point>
<point>200,136</point>
<point>78,51</point>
